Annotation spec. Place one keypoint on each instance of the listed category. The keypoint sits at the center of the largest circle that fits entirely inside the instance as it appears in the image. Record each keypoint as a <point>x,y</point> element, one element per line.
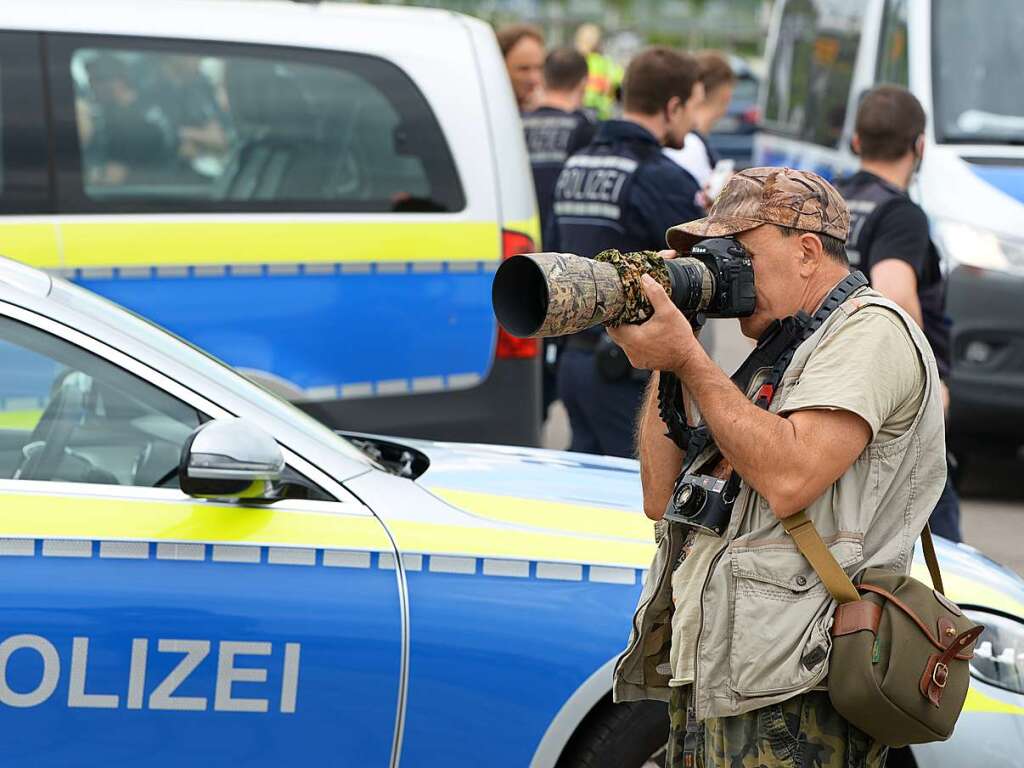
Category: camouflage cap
<point>756,196</point>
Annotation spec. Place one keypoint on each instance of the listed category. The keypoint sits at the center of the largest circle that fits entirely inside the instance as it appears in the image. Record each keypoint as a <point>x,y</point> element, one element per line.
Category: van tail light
<point>511,347</point>
<point>751,116</point>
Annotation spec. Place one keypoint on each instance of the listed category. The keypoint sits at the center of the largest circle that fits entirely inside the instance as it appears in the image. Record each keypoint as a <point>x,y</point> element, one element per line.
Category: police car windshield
<point>191,356</point>
<point>976,53</point>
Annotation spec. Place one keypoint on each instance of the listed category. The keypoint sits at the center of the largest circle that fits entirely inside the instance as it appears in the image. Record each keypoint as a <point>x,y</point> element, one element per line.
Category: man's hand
<point>663,343</point>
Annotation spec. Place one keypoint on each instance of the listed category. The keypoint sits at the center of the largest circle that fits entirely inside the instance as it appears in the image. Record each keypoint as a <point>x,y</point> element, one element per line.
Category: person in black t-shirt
<point>554,131</point>
<point>889,237</point>
<point>557,129</point>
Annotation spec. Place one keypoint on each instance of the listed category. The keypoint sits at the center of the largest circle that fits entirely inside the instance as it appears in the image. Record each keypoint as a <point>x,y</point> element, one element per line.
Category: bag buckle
<point>940,674</point>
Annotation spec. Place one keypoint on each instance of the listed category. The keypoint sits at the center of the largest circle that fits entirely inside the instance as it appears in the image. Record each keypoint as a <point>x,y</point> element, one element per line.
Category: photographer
<point>622,192</point>
<point>732,630</point>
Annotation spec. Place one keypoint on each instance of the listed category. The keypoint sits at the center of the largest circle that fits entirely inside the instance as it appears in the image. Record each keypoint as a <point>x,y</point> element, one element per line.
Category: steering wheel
<point>63,413</point>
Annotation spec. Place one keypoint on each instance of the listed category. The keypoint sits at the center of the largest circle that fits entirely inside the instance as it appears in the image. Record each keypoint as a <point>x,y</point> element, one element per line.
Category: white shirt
<point>693,157</point>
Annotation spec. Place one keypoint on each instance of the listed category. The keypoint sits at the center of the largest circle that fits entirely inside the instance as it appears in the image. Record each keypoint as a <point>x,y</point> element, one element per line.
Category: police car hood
<point>568,493</point>
<point>555,491</point>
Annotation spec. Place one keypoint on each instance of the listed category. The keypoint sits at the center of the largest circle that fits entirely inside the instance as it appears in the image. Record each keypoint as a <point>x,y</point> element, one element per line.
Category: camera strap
<point>775,349</point>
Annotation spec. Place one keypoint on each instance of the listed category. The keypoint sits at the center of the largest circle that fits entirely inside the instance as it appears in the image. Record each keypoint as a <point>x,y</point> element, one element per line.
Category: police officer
<point>622,192</point>
<point>889,239</point>
<point>557,129</point>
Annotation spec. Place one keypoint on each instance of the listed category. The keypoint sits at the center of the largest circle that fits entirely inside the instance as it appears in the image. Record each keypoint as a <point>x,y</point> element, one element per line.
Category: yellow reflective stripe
<point>553,516</point>
<point>412,536</point>
<point>80,517</point>
<point>162,242</point>
<point>961,589</point>
<point>39,516</point>
<point>977,701</point>
<point>19,419</point>
<point>33,243</point>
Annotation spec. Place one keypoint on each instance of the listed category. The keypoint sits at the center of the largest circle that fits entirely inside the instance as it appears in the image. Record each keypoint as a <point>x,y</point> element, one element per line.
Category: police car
<point>193,572</point>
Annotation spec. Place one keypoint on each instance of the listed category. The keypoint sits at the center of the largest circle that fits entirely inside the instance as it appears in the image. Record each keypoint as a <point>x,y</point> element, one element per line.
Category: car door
<point>141,625</point>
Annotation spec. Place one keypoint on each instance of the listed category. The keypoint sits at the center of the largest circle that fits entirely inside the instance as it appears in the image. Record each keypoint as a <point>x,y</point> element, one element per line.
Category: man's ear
<point>855,144</point>
<point>812,252</point>
<point>919,147</point>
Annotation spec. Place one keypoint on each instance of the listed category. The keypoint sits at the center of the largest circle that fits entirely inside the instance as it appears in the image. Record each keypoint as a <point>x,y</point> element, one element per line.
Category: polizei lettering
<point>602,185</point>
<point>31,670</point>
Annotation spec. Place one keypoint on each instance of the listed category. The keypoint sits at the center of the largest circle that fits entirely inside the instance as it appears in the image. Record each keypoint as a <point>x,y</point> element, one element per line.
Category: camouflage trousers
<point>803,732</point>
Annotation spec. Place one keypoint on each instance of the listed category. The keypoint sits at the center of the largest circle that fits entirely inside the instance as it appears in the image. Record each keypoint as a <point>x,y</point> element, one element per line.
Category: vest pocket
<point>779,615</point>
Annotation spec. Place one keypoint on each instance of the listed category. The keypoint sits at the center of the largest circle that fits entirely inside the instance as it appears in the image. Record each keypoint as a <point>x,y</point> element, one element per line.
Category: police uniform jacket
<point>621,192</point>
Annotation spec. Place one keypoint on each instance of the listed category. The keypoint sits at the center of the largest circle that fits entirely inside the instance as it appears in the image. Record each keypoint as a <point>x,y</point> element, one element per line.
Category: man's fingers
<point>655,293</point>
<point>668,254</point>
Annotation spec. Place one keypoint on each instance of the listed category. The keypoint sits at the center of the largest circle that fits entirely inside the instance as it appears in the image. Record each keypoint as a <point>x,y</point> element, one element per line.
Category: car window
<point>180,126</point>
<point>67,415</point>
<point>893,65</point>
<point>812,69</point>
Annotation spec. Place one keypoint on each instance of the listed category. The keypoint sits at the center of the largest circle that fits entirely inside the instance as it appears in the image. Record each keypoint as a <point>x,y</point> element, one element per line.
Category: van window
<point>892,50</point>
<point>976,58</point>
<point>24,180</point>
<point>162,126</point>
<point>812,69</point>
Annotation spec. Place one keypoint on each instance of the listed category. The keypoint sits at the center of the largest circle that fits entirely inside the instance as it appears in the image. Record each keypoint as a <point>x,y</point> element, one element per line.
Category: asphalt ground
<point>992,491</point>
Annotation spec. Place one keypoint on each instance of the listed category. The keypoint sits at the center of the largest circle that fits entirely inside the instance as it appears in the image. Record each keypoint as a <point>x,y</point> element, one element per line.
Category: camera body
<point>702,501</point>
<point>716,278</point>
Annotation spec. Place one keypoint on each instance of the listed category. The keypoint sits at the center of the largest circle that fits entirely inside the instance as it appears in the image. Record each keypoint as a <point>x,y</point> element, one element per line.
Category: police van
<point>317,194</point>
<point>959,60</point>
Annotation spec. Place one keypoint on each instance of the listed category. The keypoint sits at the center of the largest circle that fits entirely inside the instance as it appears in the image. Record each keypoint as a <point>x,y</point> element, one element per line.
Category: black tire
<point>630,735</point>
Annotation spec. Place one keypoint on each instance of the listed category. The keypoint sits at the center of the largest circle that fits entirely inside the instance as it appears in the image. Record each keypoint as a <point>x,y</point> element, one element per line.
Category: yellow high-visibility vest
<point>604,77</point>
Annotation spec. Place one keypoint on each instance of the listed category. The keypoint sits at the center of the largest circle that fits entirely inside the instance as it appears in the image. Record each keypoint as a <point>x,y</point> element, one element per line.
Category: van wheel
<point>628,735</point>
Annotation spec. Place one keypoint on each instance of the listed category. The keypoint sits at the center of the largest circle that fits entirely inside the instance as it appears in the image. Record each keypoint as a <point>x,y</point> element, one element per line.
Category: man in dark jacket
<point>622,192</point>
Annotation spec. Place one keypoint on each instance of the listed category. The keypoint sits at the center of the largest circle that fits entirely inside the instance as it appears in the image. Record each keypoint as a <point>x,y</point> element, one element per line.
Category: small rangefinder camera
<point>701,501</point>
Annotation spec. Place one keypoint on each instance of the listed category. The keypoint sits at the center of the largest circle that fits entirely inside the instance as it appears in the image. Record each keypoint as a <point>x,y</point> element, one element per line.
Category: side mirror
<point>231,459</point>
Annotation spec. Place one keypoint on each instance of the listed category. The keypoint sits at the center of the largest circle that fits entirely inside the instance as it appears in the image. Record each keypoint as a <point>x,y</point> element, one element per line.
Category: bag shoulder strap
<point>811,545</point>
<point>928,548</point>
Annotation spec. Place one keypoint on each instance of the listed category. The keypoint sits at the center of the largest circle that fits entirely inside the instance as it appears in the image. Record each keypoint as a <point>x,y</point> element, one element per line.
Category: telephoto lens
<point>557,294</point>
